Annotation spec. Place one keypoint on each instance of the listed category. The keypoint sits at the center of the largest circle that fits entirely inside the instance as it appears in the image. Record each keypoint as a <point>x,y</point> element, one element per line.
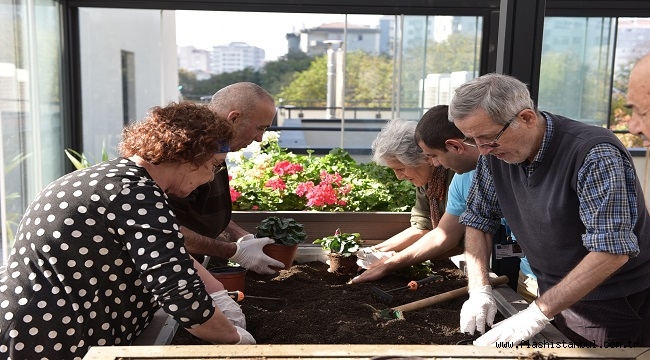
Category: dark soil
<point>321,308</point>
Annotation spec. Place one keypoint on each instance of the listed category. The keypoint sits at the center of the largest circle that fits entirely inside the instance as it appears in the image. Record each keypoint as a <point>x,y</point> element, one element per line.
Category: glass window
<point>334,77</point>
<point>31,153</point>
<point>575,74</point>
<point>584,76</point>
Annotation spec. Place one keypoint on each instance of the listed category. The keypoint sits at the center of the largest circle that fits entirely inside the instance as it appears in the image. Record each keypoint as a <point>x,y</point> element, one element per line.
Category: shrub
<point>273,179</point>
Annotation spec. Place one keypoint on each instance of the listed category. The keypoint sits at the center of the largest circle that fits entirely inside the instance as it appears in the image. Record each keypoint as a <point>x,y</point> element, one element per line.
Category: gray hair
<point>241,96</point>
<point>396,141</point>
<point>500,96</point>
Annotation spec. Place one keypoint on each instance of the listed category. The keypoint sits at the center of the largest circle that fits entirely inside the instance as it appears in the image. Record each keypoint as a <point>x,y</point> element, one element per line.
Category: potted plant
<point>287,233</point>
<point>341,247</point>
<point>232,276</point>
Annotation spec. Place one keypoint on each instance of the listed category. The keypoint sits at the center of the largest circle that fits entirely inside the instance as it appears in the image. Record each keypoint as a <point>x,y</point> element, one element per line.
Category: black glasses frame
<point>492,144</point>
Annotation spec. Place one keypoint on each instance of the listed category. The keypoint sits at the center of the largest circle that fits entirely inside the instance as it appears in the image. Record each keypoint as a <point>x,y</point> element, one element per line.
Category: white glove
<point>250,255</point>
<point>368,258</point>
<point>478,310</point>
<point>229,308</point>
<point>517,328</point>
<point>245,338</point>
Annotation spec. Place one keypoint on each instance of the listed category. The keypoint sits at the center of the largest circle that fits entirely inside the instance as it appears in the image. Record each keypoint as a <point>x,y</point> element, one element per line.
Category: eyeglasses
<point>492,144</point>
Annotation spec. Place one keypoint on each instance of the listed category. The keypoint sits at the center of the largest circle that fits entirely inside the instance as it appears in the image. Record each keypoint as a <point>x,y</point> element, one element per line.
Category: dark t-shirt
<point>207,209</point>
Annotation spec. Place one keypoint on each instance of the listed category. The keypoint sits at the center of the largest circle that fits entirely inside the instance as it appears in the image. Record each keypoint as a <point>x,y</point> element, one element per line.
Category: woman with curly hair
<point>99,250</point>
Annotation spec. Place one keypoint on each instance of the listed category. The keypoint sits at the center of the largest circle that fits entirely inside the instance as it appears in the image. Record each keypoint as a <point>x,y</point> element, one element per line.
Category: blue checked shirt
<point>605,190</point>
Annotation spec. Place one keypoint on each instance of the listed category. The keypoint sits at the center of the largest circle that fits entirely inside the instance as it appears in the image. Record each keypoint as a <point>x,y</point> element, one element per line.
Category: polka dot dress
<point>96,253</point>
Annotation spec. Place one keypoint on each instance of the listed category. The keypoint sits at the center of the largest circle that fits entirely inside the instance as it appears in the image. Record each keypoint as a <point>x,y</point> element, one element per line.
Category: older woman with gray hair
<point>395,147</point>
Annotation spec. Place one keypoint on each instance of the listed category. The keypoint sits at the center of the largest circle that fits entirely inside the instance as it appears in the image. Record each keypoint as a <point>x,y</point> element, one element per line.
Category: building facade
<point>236,56</point>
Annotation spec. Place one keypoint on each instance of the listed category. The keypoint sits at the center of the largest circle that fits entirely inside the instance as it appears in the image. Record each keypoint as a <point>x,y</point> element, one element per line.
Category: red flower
<point>285,167</point>
<point>321,195</point>
<point>304,188</point>
<point>234,194</point>
<point>276,184</point>
<point>345,189</point>
<point>330,178</point>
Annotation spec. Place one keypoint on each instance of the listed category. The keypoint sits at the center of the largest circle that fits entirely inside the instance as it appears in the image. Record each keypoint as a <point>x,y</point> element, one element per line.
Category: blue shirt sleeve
<point>458,192</point>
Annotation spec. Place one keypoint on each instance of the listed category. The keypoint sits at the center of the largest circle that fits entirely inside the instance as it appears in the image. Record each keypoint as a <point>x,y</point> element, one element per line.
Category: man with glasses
<point>638,99</point>
<point>570,193</point>
<point>205,214</point>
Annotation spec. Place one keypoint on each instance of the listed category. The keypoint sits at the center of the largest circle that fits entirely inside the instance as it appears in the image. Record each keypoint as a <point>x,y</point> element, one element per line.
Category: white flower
<point>270,136</point>
<point>253,148</point>
<point>236,157</point>
<point>261,159</point>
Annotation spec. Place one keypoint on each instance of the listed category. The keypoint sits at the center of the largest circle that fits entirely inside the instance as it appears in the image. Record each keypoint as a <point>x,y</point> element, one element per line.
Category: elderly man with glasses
<point>638,99</point>
<point>570,193</point>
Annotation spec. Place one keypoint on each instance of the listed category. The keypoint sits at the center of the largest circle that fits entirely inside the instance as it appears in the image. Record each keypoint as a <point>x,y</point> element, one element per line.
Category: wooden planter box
<point>349,352</point>
<point>508,303</point>
<point>374,227</point>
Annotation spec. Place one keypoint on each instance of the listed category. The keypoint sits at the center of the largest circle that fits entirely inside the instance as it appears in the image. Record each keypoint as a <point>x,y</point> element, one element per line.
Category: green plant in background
<point>345,244</point>
<point>274,179</point>
<point>80,160</point>
<point>285,231</point>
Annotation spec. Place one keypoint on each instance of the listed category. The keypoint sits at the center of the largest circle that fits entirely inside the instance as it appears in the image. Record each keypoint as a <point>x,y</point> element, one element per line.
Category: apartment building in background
<point>194,60</point>
<point>313,41</point>
<point>236,56</point>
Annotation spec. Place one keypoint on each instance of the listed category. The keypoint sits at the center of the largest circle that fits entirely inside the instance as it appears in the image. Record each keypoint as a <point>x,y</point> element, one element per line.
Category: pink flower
<point>276,184</point>
<point>285,167</point>
<point>345,189</point>
<point>321,195</point>
<point>304,188</point>
<point>255,207</point>
<point>234,194</point>
<point>330,178</point>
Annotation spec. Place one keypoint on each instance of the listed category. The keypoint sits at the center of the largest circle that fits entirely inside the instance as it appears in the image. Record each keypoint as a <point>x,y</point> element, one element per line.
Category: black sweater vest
<point>543,211</point>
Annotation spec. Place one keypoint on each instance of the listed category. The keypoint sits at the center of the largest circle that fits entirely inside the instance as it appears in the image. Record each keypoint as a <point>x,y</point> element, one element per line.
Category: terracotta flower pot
<point>232,277</point>
<point>283,253</point>
<point>343,265</point>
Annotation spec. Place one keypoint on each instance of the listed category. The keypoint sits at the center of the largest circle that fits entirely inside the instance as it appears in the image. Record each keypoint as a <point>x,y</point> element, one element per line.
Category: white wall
<point>104,34</point>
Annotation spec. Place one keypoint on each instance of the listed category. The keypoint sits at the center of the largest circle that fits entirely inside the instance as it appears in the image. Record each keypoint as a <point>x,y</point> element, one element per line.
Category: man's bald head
<point>249,107</point>
<point>638,99</point>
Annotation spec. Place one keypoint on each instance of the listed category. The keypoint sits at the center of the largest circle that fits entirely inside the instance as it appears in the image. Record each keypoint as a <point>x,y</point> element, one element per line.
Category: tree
<point>216,82</point>
<point>459,52</point>
<point>308,87</point>
<point>368,82</point>
<point>277,74</point>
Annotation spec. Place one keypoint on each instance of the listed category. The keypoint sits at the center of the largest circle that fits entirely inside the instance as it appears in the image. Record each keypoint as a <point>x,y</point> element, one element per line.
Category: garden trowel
<point>398,311</point>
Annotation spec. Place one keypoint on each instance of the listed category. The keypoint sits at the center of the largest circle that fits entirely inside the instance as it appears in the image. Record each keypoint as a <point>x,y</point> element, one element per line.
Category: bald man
<point>638,99</point>
<point>205,214</point>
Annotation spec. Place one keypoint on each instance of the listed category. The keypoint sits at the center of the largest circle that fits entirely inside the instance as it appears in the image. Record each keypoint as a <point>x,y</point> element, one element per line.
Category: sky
<point>205,29</point>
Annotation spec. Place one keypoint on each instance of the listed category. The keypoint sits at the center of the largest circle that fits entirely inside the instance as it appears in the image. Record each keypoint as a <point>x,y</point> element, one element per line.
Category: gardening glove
<point>517,328</point>
<point>230,309</point>
<point>366,259</point>
<point>245,338</point>
<point>478,310</point>
<point>250,255</point>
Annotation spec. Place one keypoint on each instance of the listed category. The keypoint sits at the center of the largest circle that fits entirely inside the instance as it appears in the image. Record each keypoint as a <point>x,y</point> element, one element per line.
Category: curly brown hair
<point>179,132</point>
